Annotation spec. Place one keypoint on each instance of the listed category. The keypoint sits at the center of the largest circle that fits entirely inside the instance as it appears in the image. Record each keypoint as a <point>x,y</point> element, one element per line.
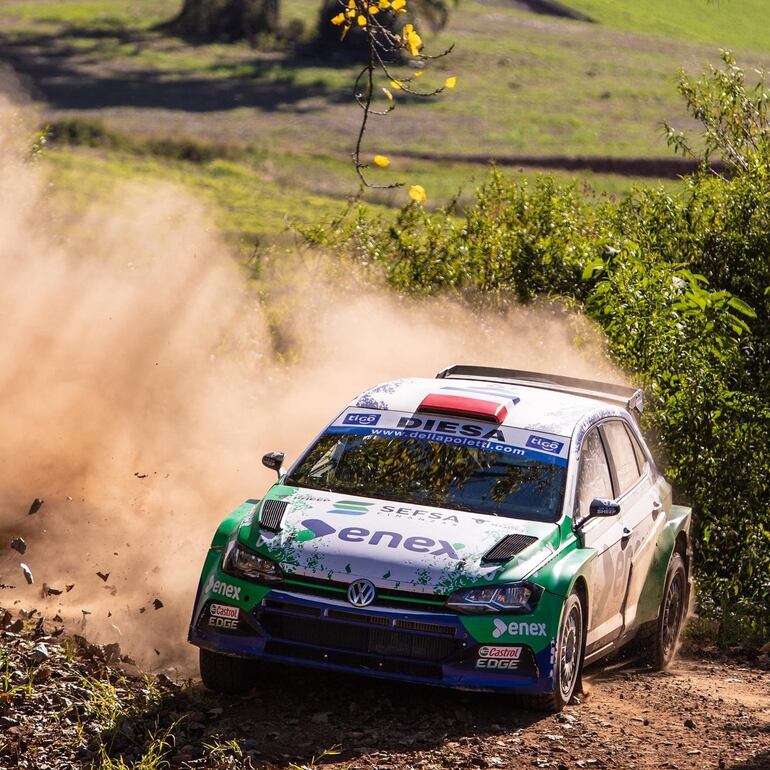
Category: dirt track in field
<point>704,713</point>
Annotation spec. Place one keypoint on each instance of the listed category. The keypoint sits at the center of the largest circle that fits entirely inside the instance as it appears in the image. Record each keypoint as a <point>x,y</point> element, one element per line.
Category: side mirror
<point>274,461</point>
<point>601,507</point>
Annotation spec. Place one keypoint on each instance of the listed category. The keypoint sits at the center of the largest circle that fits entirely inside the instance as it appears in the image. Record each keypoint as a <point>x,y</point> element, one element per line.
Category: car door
<point>641,511</point>
<point>607,572</point>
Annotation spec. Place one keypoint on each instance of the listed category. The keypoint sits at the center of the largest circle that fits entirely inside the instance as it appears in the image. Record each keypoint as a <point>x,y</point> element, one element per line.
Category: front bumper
<point>402,644</point>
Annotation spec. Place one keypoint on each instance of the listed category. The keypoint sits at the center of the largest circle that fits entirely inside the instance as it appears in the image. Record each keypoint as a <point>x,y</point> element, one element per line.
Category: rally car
<point>485,529</point>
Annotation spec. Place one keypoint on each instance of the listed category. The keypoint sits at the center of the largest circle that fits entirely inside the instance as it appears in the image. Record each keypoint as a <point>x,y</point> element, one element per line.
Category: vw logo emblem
<point>361,593</point>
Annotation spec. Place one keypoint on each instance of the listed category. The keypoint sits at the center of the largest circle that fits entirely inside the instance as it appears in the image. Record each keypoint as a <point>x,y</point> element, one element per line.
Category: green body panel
<point>538,629</point>
<point>240,516</point>
<point>679,520</point>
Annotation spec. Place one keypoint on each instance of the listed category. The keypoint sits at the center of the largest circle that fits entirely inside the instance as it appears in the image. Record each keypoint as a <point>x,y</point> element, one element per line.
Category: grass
<point>739,24</point>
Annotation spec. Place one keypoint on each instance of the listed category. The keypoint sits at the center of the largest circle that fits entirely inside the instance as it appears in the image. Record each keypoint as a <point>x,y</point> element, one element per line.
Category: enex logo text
<point>382,538</point>
<point>517,629</point>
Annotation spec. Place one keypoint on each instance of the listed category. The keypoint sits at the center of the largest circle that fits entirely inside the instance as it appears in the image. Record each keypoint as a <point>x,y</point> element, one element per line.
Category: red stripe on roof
<point>463,405</point>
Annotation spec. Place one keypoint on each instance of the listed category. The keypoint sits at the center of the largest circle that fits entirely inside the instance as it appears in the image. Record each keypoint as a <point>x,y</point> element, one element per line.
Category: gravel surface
<point>65,703</point>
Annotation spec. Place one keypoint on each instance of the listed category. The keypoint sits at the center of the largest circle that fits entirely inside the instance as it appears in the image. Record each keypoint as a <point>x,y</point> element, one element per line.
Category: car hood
<point>398,546</point>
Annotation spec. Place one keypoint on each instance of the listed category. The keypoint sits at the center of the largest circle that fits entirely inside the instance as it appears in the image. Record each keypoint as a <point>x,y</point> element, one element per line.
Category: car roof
<point>529,407</point>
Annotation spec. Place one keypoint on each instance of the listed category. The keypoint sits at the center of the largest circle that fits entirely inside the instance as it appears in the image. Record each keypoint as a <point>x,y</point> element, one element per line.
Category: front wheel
<point>225,674</point>
<point>568,663</point>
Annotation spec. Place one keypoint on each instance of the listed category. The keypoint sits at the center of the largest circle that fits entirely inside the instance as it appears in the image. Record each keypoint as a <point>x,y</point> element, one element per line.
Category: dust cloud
<point>143,375</point>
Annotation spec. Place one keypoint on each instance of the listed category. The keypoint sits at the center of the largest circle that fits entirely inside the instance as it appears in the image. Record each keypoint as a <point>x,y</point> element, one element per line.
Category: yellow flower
<point>413,42</point>
<point>417,193</point>
<point>362,21</point>
<point>350,13</point>
<point>338,19</point>
<point>398,5</point>
<point>351,3</point>
<point>373,9</point>
<point>395,84</point>
<point>382,161</point>
<point>384,4</point>
<point>450,82</point>
<point>387,93</point>
<point>419,74</point>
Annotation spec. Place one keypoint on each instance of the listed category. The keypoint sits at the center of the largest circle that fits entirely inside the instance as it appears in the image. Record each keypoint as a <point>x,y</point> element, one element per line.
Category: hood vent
<point>272,514</point>
<point>508,547</point>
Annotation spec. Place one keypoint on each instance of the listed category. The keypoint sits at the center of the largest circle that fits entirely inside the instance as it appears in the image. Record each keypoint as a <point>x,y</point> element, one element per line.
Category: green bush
<point>680,285</point>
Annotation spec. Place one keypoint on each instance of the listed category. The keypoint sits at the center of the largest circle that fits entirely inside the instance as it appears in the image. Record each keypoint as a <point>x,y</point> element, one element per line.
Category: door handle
<point>626,534</point>
<point>657,507</point>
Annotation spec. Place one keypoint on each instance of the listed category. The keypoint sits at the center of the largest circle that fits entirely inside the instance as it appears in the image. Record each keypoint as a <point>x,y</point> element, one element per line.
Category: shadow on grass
<point>71,70</point>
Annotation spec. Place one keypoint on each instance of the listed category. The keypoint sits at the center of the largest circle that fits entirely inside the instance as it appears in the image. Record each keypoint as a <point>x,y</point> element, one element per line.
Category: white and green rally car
<point>487,529</point>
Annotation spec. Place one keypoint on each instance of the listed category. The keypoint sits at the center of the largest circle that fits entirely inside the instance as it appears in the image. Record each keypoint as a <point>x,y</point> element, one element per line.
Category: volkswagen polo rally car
<point>487,529</point>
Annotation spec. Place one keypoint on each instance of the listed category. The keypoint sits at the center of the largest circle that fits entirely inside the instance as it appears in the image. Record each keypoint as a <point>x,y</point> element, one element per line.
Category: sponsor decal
<point>424,514</point>
<point>223,611</point>
<point>517,628</point>
<point>224,616</point>
<point>350,507</point>
<point>223,589</point>
<point>361,418</point>
<point>384,539</point>
<point>491,651</point>
<point>545,444</point>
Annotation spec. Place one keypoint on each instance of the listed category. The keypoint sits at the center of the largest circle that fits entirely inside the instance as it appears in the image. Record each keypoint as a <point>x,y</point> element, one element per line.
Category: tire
<point>225,674</point>
<point>568,664</point>
<point>658,647</point>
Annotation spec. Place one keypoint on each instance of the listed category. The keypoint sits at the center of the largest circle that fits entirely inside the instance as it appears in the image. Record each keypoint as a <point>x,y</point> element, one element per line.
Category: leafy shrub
<point>680,285</point>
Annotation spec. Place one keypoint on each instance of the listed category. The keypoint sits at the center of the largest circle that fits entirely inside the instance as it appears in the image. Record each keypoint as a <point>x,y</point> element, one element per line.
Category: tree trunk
<point>226,20</point>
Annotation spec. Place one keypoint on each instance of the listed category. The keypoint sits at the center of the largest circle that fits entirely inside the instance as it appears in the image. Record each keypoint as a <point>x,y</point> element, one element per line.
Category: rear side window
<point>623,455</point>
<point>641,457</point>
<point>594,479</point>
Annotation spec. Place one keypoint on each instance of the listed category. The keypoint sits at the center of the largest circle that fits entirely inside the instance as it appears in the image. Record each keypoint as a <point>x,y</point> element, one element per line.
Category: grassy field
<point>736,24</point>
<point>538,86</point>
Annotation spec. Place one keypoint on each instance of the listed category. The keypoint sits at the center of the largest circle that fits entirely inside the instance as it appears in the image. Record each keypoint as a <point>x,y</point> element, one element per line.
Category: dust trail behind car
<point>143,375</point>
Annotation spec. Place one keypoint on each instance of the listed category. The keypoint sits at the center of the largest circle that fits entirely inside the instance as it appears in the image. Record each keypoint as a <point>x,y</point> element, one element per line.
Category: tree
<point>226,20</point>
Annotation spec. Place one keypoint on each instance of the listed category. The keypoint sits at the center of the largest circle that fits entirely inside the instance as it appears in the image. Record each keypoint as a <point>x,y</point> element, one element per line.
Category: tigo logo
<point>361,418</point>
<point>545,444</point>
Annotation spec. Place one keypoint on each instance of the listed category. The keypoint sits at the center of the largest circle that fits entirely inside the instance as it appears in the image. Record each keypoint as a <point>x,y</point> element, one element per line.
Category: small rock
<point>18,544</point>
<point>157,603</point>
<point>689,723</point>
<point>43,674</point>
<point>16,626</point>
<point>38,653</point>
<point>27,574</point>
<point>103,575</point>
<point>35,507</point>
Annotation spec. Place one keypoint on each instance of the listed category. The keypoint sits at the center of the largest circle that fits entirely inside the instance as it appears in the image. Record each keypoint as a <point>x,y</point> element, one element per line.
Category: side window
<point>594,478</point>
<point>641,458</point>
<point>623,455</point>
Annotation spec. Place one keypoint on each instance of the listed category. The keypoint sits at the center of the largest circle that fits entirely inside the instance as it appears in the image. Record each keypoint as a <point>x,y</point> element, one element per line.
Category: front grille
<point>428,628</point>
<point>329,589</point>
<point>354,660</point>
<point>272,514</point>
<point>364,637</point>
<point>508,547</point>
<point>372,620</point>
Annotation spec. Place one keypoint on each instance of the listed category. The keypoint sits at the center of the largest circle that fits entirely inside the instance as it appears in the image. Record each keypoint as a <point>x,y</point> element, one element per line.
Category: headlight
<point>242,562</point>
<point>515,598</point>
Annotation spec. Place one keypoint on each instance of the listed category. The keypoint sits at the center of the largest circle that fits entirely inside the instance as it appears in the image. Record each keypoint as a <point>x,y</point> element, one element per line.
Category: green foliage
<point>679,284</point>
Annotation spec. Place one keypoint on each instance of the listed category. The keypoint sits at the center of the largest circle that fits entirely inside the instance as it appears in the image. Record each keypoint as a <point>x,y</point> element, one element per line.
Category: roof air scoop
<point>464,406</point>
<point>508,547</point>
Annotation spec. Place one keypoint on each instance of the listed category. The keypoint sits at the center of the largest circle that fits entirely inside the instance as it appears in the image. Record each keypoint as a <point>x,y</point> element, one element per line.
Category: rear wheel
<point>659,647</point>
<point>225,674</point>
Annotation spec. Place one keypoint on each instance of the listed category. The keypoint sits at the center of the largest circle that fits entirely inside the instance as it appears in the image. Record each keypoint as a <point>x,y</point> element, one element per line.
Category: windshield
<point>433,473</point>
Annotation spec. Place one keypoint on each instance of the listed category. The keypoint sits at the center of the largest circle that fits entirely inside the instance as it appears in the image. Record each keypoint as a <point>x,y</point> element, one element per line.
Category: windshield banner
<point>455,431</point>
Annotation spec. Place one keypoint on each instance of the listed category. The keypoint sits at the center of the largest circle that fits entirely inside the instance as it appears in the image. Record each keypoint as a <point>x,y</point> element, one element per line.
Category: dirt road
<point>63,705</point>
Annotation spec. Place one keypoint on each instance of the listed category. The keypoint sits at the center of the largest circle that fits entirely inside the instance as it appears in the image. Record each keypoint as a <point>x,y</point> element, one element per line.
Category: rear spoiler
<point>631,398</point>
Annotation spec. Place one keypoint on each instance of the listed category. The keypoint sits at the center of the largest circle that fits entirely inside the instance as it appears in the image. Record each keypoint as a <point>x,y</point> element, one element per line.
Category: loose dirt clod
<point>35,507</point>
<point>18,544</point>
